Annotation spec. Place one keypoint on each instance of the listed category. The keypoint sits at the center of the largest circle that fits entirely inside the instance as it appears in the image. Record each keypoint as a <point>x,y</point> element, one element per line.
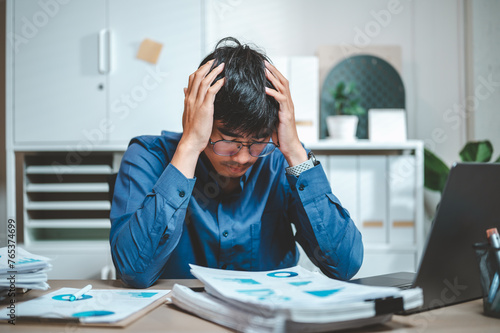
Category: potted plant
<point>436,171</point>
<point>342,124</point>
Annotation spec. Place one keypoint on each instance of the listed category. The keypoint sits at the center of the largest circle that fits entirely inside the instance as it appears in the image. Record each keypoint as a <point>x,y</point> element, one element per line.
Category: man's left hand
<point>286,134</point>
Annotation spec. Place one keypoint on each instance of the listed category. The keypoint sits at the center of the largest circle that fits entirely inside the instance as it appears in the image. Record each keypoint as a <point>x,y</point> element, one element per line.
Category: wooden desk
<point>466,317</point>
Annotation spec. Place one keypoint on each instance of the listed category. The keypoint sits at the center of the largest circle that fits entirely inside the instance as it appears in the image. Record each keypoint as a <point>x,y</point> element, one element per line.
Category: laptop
<point>449,272</point>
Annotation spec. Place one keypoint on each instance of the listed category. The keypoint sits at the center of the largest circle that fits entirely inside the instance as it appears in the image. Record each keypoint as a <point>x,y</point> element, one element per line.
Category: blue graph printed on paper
<point>27,260</point>
<point>264,295</point>
<point>93,313</point>
<point>299,283</point>
<point>323,293</point>
<point>242,281</point>
<point>282,274</point>
<point>138,294</point>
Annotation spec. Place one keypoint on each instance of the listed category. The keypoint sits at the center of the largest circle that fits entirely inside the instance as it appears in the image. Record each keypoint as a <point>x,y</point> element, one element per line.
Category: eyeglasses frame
<point>243,144</point>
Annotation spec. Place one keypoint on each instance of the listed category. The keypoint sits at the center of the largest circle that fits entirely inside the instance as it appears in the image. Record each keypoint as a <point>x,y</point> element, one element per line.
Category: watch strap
<point>298,169</point>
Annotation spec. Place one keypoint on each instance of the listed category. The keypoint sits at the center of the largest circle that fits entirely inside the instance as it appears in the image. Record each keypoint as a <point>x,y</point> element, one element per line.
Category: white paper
<point>97,305</point>
<point>303,295</point>
<point>24,261</point>
<point>26,270</point>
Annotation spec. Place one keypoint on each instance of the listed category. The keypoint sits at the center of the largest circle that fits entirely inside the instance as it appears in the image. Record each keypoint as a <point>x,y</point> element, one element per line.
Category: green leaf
<point>479,151</point>
<point>435,172</point>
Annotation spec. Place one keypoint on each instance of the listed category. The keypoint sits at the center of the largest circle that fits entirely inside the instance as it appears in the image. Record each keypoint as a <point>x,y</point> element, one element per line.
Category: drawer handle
<point>403,224</point>
<point>373,224</point>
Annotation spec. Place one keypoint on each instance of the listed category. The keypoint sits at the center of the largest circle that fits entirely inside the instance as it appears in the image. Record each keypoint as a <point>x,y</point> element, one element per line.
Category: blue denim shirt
<point>162,221</point>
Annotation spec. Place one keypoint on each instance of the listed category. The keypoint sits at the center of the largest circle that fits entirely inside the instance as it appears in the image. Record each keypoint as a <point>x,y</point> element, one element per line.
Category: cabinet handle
<point>104,62</point>
<point>403,224</point>
<point>373,224</point>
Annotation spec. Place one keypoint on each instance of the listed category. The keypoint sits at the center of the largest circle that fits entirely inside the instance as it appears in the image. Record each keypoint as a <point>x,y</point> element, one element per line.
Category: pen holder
<point>487,257</point>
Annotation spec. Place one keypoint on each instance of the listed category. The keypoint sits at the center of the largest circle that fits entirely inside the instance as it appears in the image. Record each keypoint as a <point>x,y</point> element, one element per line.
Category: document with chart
<point>294,296</point>
<point>97,306</point>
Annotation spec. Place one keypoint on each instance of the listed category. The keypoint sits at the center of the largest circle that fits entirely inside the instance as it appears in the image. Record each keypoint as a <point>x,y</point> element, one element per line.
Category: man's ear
<point>274,136</point>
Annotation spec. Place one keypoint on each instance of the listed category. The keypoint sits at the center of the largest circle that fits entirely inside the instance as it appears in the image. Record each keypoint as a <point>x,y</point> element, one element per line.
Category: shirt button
<point>164,239</point>
<point>182,194</point>
<point>301,187</point>
<point>225,233</point>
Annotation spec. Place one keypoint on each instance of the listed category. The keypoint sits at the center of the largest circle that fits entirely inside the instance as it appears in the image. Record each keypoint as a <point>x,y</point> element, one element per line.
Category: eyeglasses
<point>230,148</point>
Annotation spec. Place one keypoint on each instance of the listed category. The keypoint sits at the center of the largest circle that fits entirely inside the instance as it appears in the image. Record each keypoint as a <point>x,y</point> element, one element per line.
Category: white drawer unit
<point>381,185</point>
<point>63,206</point>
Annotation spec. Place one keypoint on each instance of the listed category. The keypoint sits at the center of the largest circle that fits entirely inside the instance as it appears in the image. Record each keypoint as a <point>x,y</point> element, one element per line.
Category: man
<point>220,194</point>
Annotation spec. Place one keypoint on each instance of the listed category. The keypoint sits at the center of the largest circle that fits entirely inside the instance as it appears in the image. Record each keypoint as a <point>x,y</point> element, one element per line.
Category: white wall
<point>485,72</point>
<point>430,34</point>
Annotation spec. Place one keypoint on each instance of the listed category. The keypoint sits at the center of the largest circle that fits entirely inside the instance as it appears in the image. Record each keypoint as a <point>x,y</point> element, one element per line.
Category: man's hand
<point>197,119</point>
<point>287,135</point>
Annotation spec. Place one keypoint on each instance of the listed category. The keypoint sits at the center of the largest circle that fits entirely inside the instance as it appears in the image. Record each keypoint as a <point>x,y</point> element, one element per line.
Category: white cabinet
<point>372,223</point>
<point>76,94</point>
<point>402,191</point>
<point>342,174</point>
<point>76,76</point>
<point>381,185</point>
<point>147,98</point>
<point>55,70</point>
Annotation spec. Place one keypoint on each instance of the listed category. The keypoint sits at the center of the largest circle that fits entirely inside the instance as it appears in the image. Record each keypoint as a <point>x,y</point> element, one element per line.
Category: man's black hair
<point>242,103</point>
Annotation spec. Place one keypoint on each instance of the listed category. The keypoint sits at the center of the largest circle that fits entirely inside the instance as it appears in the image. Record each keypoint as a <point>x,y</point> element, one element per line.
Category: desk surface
<point>465,317</point>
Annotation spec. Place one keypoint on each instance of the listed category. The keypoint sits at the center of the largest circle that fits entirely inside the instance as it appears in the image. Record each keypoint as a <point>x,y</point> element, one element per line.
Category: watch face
<point>312,157</point>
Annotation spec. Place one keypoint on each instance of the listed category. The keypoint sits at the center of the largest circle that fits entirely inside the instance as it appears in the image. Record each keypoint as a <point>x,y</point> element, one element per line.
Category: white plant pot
<point>342,127</point>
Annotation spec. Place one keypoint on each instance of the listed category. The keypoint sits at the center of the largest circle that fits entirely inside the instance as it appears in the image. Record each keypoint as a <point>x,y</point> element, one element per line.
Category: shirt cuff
<point>310,183</point>
<point>175,187</point>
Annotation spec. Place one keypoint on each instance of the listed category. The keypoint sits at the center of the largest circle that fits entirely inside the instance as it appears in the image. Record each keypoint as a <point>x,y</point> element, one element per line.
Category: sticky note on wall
<point>149,51</point>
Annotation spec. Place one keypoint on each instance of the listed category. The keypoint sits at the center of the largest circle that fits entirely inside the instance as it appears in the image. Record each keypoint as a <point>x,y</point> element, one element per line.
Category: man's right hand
<point>197,119</point>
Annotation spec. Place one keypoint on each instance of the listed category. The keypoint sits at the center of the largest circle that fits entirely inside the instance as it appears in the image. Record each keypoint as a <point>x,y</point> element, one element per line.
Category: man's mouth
<point>236,168</point>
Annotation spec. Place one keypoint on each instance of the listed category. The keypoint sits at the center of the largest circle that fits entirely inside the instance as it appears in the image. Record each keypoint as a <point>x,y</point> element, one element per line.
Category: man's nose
<point>243,156</point>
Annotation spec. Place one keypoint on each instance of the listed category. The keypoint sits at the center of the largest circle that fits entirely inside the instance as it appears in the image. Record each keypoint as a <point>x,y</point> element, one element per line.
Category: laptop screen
<point>470,204</point>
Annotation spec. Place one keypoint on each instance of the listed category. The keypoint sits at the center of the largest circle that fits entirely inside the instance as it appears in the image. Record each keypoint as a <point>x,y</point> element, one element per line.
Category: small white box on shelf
<point>387,125</point>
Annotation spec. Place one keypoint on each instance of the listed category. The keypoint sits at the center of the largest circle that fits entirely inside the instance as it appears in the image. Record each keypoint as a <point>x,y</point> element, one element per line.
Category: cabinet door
<point>146,98</point>
<point>373,198</point>
<point>402,193</point>
<point>343,175</point>
<point>59,94</point>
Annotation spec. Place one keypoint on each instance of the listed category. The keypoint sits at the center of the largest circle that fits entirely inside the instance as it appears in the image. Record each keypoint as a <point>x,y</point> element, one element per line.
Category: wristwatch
<point>298,169</point>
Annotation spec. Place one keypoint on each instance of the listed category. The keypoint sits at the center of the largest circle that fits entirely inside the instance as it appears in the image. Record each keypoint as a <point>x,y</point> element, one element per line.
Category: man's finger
<point>275,72</point>
<point>276,83</point>
<point>276,94</point>
<point>207,81</point>
<point>213,90</point>
<point>196,78</point>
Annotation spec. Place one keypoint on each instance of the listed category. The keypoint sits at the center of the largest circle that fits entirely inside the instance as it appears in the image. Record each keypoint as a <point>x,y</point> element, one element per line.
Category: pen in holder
<point>489,268</point>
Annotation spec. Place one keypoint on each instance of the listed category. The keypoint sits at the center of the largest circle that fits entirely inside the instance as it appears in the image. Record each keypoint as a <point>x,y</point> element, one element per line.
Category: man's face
<point>236,165</point>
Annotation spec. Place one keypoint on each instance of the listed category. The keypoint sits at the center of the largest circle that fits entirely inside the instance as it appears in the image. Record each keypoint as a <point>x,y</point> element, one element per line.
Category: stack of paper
<point>25,271</point>
<point>290,300</point>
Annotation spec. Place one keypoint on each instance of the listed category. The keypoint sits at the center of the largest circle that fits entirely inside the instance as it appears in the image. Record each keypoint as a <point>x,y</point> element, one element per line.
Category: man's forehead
<point>264,133</point>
